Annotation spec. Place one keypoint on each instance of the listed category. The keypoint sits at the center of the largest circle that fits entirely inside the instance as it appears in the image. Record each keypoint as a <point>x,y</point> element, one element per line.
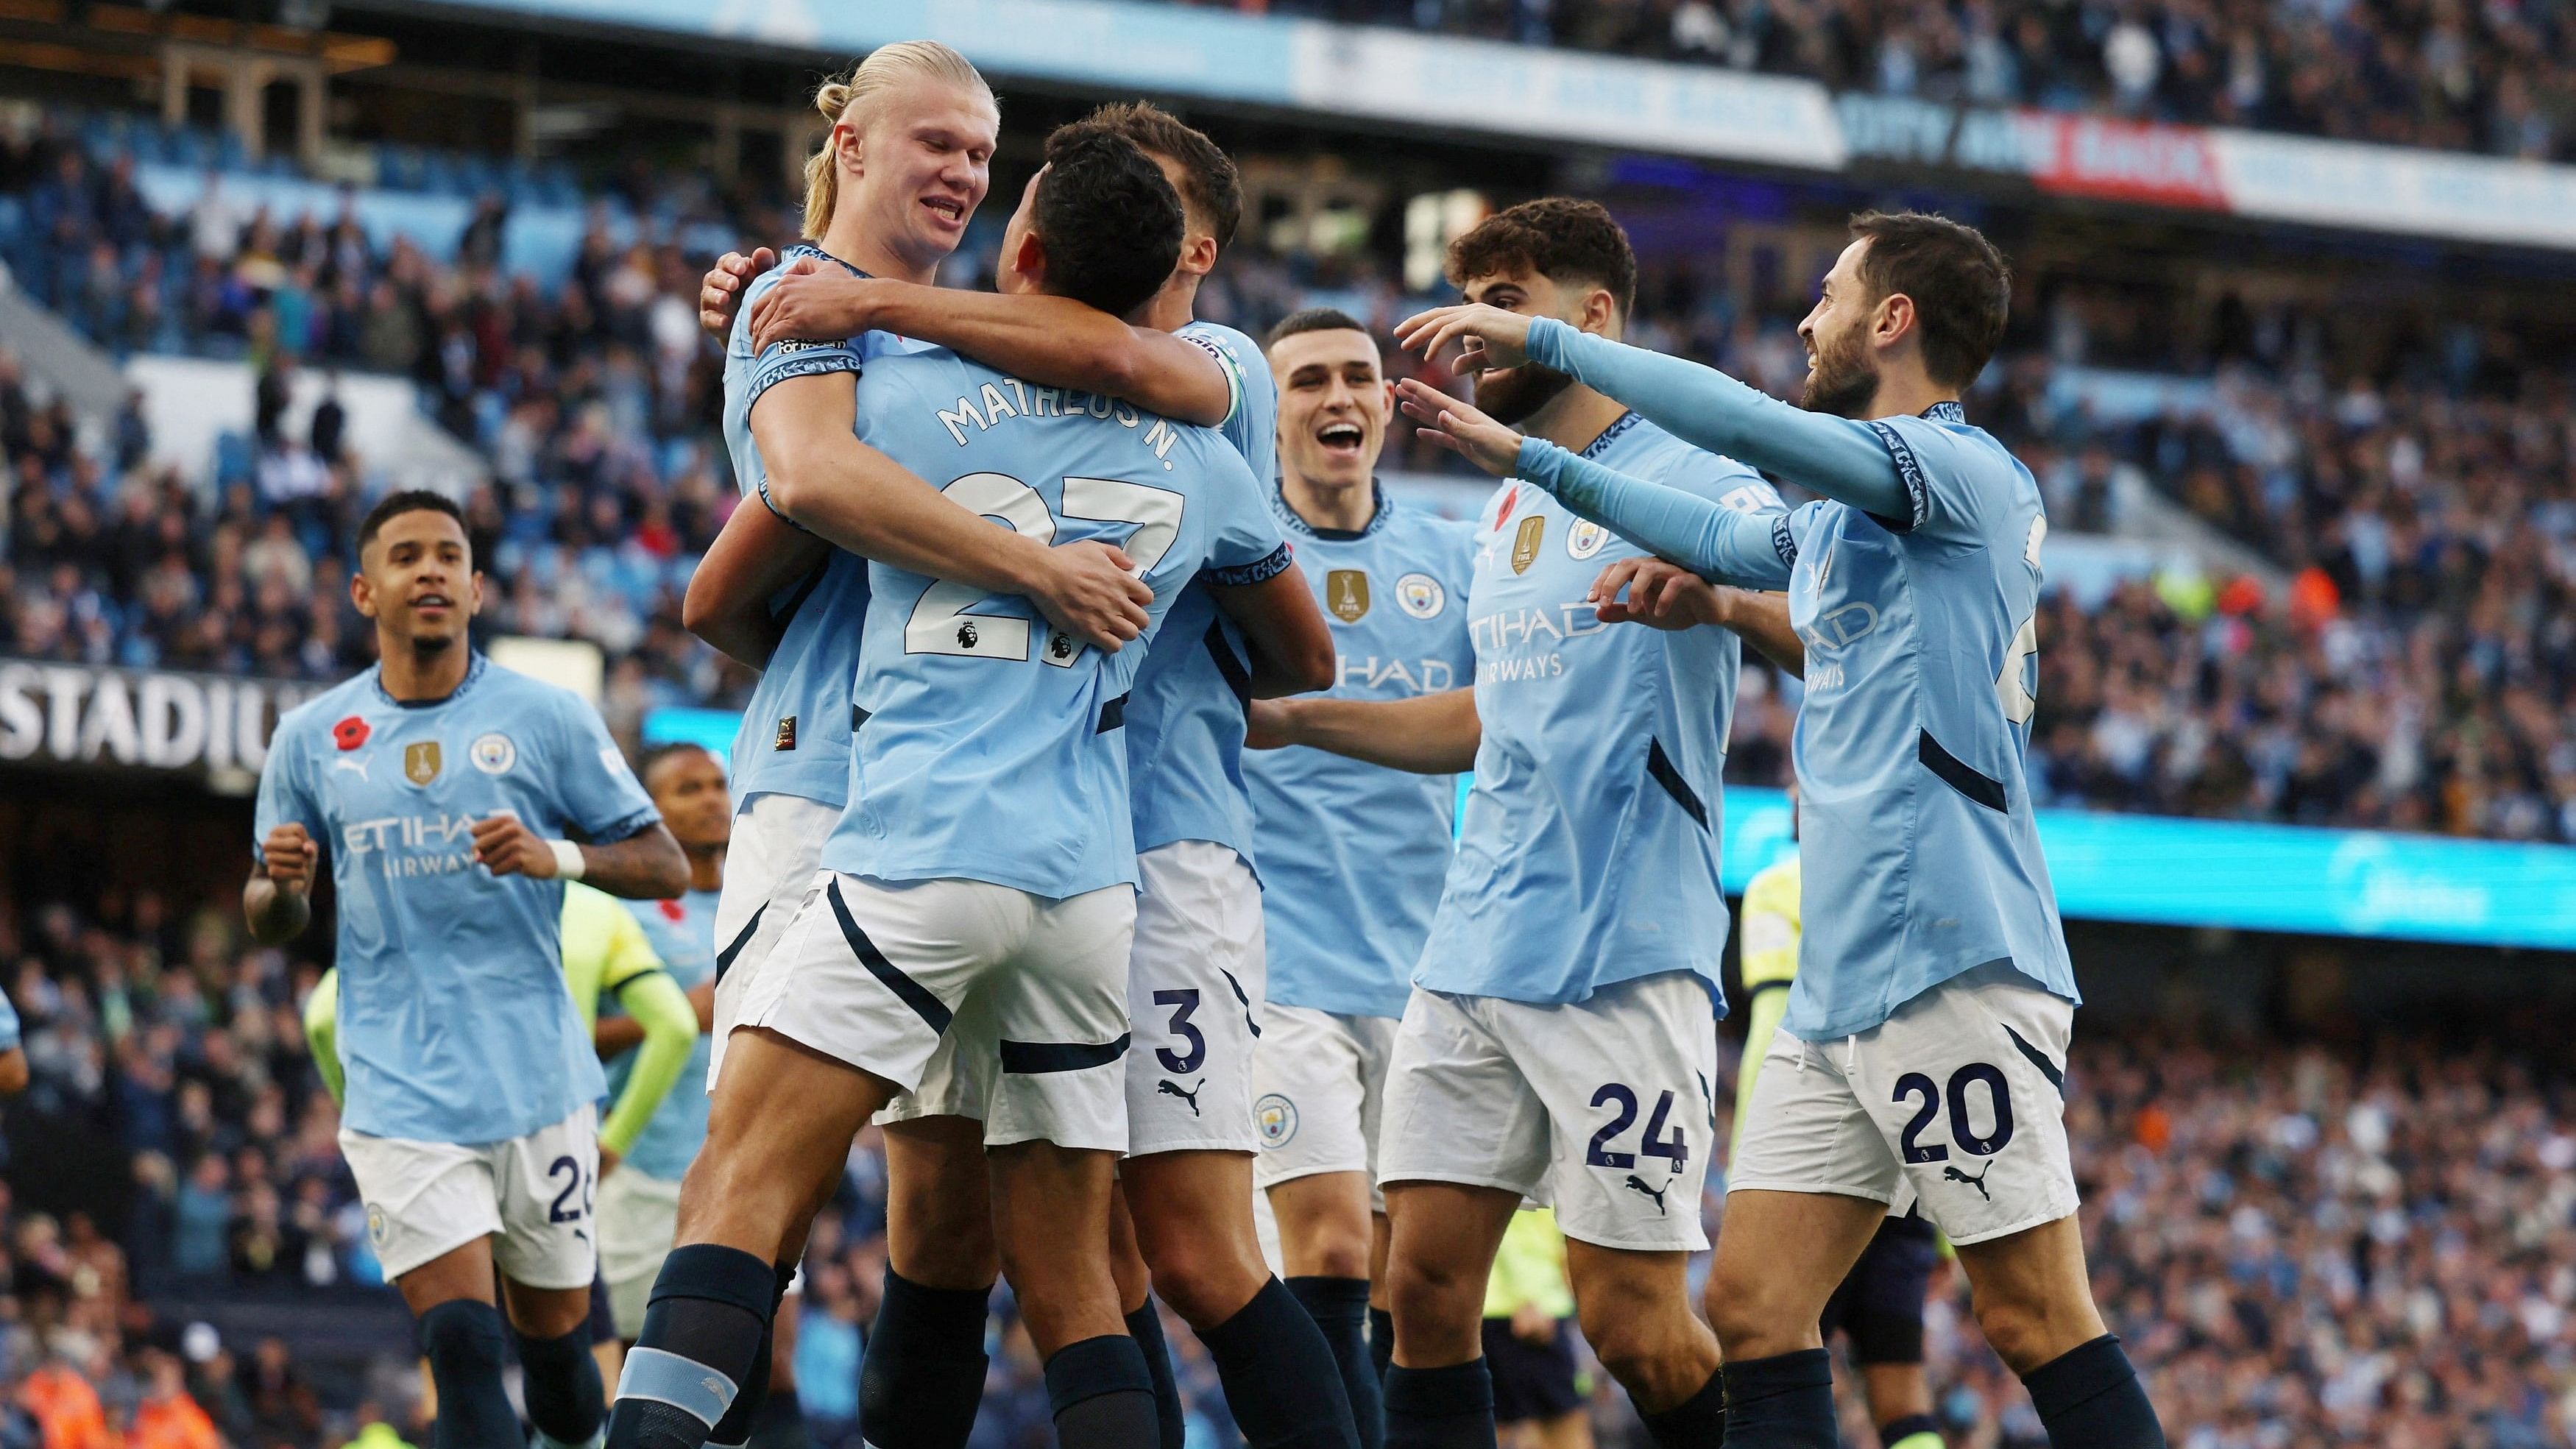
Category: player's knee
<point>1337,1249</point>
<point>1745,1324</point>
<point>2024,1332</point>
<point>1205,1278</point>
<point>1432,1295</point>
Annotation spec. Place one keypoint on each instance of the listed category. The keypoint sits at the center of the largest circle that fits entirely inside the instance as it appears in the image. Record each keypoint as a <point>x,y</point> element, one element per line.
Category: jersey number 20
<point>940,623</point>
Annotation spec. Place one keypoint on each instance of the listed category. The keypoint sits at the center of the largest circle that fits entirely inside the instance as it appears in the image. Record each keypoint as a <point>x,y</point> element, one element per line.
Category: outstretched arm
<point>1838,457</point>
<point>1292,646</point>
<point>1435,734</point>
<point>1663,595</point>
<point>755,556</point>
<point>1698,533</point>
<point>822,478</point>
<point>1051,341</point>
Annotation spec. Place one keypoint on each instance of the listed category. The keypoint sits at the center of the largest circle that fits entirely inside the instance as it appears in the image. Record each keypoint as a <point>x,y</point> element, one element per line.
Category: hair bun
<point>832,98</point>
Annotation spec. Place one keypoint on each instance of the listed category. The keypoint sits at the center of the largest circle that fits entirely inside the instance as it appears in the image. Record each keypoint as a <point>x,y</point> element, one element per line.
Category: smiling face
<point>416,579</point>
<point>1842,367</point>
<point>916,162</point>
<point>1334,405</point>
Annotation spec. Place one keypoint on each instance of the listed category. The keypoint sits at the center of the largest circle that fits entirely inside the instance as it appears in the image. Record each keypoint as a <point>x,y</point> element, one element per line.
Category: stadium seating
<point>2453,77</point>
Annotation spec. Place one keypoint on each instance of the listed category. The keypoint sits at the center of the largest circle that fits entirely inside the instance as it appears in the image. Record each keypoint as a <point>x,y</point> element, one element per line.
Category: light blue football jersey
<point>683,933</point>
<point>455,1024</point>
<point>989,745</point>
<point>1914,811</point>
<point>1588,854</point>
<point>8,1025</point>
<point>795,734</point>
<point>1353,854</point>
<point>1185,717</point>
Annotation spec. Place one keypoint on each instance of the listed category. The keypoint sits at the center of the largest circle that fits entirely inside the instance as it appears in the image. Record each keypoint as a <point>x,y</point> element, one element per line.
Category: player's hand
<point>288,856</point>
<point>1460,428</point>
<point>608,1160</point>
<point>1659,595</point>
<point>506,846</point>
<point>812,300</point>
<point>720,291</point>
<point>1090,591</point>
<point>1487,337</point>
<point>1269,724</point>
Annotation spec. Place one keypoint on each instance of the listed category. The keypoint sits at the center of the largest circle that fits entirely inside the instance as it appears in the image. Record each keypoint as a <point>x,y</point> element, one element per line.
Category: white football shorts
<point>777,847</point>
<point>1318,1091</point>
<point>1955,1103</point>
<point>531,1195</point>
<point>1194,999</point>
<point>1025,998</point>
<point>1601,1108</point>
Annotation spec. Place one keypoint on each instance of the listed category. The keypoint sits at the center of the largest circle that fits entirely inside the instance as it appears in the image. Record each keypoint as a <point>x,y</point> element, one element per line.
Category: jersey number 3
<point>941,623</point>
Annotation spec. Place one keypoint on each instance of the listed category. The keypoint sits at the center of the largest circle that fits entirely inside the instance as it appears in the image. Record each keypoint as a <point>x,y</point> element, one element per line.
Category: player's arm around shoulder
<point>1253,577</point>
<point>755,555</point>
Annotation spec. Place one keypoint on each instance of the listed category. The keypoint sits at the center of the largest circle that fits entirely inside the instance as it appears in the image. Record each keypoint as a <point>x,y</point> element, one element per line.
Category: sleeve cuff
<point>1259,571</point>
<point>774,510</point>
<point>837,358</point>
<point>1909,471</point>
<point>1547,342</point>
<point>1783,542</point>
<point>628,827</point>
<point>1537,462</point>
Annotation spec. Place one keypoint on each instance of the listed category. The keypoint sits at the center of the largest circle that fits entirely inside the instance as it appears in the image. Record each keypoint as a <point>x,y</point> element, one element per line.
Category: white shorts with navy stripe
<point>1956,1103</point>
<point>777,846</point>
<point>1194,995</point>
<point>1027,993</point>
<point>1600,1108</point>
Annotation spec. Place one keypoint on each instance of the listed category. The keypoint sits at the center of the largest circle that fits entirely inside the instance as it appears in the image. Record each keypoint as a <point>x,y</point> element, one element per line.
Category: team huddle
<point>1091,832</point>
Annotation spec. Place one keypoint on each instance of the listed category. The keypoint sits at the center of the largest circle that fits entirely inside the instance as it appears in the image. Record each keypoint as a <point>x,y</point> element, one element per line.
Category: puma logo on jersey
<point>1638,1184</point>
<point>1174,1089</point>
<point>1952,1174</point>
<point>354,767</point>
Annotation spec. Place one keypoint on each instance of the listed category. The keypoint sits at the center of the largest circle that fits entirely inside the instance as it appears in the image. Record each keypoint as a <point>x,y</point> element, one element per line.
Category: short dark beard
<point>423,647</point>
<point>1842,386</point>
<point>1510,395</point>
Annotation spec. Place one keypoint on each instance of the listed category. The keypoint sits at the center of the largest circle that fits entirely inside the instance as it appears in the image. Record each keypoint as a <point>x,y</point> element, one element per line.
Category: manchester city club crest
<point>421,762</point>
<point>1346,593</point>
<point>493,754</point>
<point>1585,538</point>
<point>1525,543</point>
<point>1420,595</point>
<point>1276,1118</point>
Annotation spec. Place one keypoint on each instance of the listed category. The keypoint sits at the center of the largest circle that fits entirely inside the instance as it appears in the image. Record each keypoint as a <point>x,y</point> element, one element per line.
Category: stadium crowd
<point>2366,1242</point>
<point>2419,673</point>
<point>2494,78</point>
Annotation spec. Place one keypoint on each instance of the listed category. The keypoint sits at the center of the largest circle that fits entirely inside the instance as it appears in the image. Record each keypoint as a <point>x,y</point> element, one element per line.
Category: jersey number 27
<point>941,623</point>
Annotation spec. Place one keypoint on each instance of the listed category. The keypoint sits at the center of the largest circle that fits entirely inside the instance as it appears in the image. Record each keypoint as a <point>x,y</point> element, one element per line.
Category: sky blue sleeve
<point>282,797</point>
<point>1245,545</point>
<point>1252,425</point>
<point>600,796</point>
<point>8,1026</point>
<point>1704,535</point>
<point>1837,457</point>
<point>790,356</point>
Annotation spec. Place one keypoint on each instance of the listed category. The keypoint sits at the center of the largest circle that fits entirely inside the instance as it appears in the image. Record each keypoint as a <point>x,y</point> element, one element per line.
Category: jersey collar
<point>473,673</point>
<point>1384,508</point>
<point>1946,412</point>
<point>1610,434</point>
<point>808,249</point>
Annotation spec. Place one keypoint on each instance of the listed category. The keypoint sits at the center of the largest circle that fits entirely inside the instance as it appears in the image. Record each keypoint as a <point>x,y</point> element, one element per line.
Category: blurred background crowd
<point>2494,78</point>
<point>2412,667</point>
<point>2313,1228</point>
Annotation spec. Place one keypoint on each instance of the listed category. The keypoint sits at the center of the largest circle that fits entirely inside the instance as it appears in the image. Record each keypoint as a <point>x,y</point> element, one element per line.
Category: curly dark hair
<point>1562,238</point>
<point>1211,188</point>
<point>1111,224</point>
<point>1961,286</point>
